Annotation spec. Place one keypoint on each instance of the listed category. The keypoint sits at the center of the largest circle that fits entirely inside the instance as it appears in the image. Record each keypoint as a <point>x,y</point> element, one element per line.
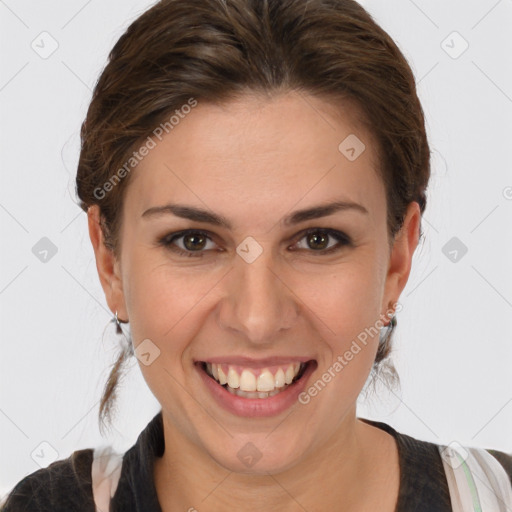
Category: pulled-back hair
<point>216,51</point>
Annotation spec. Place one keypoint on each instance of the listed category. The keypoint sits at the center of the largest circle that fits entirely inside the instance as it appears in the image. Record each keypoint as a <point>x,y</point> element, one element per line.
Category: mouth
<point>256,382</point>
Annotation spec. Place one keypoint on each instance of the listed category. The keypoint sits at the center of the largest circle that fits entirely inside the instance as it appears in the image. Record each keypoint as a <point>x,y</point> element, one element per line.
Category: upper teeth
<point>250,380</point>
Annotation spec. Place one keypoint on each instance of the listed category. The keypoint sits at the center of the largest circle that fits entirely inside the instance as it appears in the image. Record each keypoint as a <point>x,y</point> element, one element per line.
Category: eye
<point>317,239</point>
<point>192,241</point>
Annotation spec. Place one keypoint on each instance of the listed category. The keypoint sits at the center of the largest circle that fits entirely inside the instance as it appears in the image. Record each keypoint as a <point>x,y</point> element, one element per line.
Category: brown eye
<point>188,243</point>
<point>194,241</point>
<point>318,240</point>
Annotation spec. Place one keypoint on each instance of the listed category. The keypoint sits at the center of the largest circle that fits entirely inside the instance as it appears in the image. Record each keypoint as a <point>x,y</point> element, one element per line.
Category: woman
<point>254,174</point>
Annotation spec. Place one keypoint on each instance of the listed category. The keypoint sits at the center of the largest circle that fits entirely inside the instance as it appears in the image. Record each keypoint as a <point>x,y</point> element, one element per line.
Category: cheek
<point>163,300</point>
<point>163,306</point>
<point>346,305</point>
<point>348,309</point>
<point>347,299</point>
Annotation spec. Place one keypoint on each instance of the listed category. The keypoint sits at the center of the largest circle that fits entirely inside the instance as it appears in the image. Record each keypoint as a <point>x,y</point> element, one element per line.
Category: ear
<point>400,261</point>
<point>107,265</point>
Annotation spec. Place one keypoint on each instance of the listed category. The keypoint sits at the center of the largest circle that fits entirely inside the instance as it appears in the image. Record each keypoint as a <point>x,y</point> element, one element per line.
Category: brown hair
<point>217,50</point>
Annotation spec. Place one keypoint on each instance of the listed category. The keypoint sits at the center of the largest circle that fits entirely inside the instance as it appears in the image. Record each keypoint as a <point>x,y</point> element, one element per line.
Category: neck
<point>187,478</point>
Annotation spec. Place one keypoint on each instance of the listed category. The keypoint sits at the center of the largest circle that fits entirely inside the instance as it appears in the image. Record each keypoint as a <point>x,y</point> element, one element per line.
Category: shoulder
<point>505,459</point>
<point>62,486</point>
<point>485,462</point>
<point>489,460</point>
<point>427,470</point>
<point>412,449</point>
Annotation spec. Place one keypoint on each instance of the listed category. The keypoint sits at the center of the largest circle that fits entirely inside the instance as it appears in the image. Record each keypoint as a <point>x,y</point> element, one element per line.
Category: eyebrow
<point>200,215</point>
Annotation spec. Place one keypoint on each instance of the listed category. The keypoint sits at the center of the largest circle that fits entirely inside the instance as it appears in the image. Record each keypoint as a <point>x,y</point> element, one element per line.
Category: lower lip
<point>256,407</point>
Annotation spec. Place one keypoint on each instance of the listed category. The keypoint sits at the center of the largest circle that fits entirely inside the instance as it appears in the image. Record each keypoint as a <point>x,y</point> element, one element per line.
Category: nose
<point>258,303</point>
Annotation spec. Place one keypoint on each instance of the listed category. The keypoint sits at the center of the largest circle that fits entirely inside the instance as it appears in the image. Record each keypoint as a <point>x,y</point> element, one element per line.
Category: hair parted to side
<point>218,50</point>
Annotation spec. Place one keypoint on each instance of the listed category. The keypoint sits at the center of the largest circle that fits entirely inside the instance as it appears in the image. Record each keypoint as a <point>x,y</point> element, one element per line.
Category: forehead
<point>261,153</point>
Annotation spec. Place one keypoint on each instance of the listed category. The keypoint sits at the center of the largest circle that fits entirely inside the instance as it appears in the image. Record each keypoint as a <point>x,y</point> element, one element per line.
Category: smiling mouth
<point>255,383</point>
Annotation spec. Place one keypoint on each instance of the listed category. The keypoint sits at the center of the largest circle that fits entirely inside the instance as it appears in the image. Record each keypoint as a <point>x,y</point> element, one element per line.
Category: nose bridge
<point>258,304</point>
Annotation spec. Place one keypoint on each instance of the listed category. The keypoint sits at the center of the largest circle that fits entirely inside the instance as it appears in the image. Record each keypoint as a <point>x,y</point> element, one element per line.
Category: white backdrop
<point>453,343</point>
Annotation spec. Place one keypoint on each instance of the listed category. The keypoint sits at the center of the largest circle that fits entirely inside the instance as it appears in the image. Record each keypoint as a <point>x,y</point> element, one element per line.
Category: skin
<point>255,160</point>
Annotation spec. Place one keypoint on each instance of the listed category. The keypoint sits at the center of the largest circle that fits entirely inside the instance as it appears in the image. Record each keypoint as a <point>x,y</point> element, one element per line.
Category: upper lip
<point>255,363</point>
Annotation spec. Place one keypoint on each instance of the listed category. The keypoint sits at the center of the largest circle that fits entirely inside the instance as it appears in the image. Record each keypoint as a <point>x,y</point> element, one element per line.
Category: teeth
<point>233,378</point>
<point>266,381</point>
<point>288,376</point>
<point>256,394</point>
<point>222,376</point>
<point>251,386</point>
<point>248,381</point>
<point>279,378</point>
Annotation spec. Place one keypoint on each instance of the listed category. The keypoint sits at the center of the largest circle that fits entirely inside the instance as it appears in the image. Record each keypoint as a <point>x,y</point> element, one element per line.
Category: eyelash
<point>342,238</point>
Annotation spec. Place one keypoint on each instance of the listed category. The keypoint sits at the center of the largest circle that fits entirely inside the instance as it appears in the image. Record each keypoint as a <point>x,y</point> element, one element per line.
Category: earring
<point>123,340</point>
<point>387,330</point>
<point>118,325</point>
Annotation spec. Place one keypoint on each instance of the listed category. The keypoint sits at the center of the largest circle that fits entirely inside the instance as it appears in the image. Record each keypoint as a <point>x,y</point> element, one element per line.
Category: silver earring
<point>118,325</point>
<point>123,340</point>
<point>386,331</point>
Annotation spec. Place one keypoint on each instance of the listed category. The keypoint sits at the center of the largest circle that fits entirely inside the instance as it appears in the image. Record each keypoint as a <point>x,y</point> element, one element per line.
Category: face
<point>245,277</point>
